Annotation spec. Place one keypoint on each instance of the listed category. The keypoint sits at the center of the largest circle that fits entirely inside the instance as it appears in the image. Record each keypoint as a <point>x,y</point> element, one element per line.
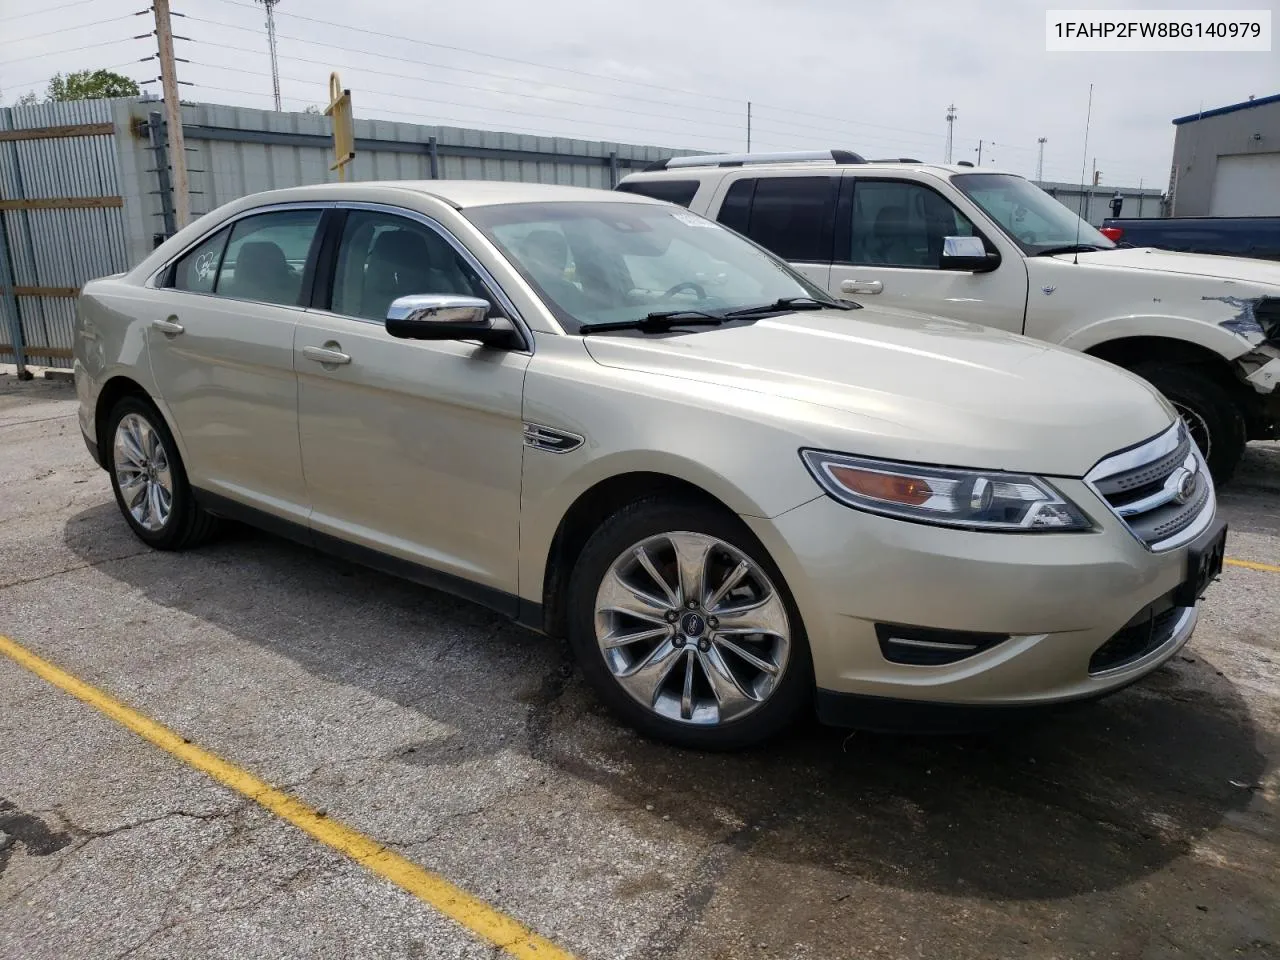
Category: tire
<point>712,695</point>
<point>135,424</point>
<point>1211,414</point>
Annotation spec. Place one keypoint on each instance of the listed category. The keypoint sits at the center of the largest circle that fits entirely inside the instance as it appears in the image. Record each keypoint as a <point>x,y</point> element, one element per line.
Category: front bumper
<point>1058,598</point>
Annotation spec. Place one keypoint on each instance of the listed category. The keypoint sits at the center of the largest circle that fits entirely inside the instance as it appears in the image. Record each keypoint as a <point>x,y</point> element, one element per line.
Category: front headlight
<point>976,499</point>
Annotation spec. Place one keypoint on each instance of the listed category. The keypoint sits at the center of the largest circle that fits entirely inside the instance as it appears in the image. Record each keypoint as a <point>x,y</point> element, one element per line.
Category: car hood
<point>913,387</point>
<point>1191,264</point>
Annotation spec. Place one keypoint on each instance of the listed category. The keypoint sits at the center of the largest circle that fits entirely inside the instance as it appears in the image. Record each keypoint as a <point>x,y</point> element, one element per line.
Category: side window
<point>383,256</point>
<point>792,216</point>
<point>198,269</point>
<point>266,256</point>
<point>672,191</point>
<point>901,224</point>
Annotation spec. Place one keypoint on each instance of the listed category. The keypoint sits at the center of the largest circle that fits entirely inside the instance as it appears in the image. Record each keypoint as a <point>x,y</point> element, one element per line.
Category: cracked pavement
<point>1143,826</point>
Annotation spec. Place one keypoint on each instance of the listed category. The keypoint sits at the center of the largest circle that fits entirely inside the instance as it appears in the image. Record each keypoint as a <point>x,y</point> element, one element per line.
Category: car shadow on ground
<point>1086,800</point>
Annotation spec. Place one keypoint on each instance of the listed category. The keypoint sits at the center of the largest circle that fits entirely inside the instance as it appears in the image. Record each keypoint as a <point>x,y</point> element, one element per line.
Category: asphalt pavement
<point>1142,826</point>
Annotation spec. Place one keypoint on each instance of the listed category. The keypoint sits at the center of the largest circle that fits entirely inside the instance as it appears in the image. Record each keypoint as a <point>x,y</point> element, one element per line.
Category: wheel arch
<point>585,514</point>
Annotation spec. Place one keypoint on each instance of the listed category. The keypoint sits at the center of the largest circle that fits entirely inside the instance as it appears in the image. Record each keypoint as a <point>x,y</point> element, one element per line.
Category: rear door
<point>410,448</point>
<point>888,244</point>
<point>221,346</point>
<point>792,214</point>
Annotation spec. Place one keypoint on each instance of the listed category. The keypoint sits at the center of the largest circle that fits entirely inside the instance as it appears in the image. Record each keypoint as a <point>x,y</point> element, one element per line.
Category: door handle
<point>326,355</point>
<point>861,286</point>
<point>170,327</point>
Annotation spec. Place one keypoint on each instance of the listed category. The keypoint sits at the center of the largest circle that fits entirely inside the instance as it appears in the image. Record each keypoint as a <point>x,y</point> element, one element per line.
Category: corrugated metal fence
<point>83,186</point>
<point>61,221</point>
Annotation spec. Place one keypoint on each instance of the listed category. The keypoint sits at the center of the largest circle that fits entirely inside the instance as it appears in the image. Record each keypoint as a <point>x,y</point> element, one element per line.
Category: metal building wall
<point>63,222</point>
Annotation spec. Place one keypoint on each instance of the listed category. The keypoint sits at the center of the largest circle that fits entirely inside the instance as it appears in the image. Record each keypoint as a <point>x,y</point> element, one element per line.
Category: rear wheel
<point>149,480</point>
<point>1212,417</point>
<point>683,626</point>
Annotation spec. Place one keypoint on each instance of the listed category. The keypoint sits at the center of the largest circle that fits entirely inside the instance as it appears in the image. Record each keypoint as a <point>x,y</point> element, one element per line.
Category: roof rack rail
<point>897,160</point>
<point>742,159</point>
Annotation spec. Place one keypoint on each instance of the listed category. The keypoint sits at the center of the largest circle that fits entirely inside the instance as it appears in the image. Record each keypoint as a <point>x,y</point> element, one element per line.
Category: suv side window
<point>792,216</point>
<point>672,191</point>
<point>898,223</point>
<point>197,269</point>
<point>383,256</point>
<point>266,256</point>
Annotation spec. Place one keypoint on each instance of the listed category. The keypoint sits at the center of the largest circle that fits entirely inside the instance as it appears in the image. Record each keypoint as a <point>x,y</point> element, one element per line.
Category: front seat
<point>262,273</point>
<point>890,243</point>
<point>398,265</point>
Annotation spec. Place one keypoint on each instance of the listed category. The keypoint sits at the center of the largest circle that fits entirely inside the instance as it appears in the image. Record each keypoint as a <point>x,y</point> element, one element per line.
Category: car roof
<point>783,166</point>
<point>459,194</point>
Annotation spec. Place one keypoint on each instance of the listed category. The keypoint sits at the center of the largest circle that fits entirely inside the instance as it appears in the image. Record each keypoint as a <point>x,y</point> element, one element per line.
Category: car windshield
<point>605,262</point>
<point>1034,220</point>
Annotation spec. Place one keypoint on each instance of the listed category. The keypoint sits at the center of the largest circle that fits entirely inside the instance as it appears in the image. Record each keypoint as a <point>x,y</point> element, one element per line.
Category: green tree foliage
<point>91,85</point>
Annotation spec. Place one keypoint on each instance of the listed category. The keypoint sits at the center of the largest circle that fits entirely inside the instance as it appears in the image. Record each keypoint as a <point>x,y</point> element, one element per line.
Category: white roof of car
<point>870,166</point>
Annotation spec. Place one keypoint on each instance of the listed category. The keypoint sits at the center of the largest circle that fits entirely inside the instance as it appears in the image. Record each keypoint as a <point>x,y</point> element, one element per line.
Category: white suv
<point>995,249</point>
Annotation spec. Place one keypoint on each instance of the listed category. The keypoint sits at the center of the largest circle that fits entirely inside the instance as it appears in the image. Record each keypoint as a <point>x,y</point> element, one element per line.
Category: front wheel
<point>1212,417</point>
<point>683,626</point>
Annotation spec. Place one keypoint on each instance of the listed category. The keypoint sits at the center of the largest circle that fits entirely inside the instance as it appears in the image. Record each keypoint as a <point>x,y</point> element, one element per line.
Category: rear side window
<point>266,256</point>
<point>672,191</point>
<point>792,216</point>
<point>197,269</point>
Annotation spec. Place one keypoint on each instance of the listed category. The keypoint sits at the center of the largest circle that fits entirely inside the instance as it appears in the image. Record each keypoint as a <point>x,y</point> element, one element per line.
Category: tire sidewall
<point>638,522</point>
<point>1213,404</point>
<point>171,534</point>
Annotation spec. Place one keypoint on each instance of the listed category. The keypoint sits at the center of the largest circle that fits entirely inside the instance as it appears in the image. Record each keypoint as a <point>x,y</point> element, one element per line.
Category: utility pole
<point>172,115</point>
<point>979,153</point>
<point>1040,161</point>
<point>271,44</point>
<point>748,126</point>
<point>951,126</point>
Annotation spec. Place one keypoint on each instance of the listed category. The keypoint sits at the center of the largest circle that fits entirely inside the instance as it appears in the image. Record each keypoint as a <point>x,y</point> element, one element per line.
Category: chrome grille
<point>1161,489</point>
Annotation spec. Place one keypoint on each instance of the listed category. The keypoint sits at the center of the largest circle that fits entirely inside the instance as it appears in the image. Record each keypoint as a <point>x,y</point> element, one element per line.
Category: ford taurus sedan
<point>616,421</point>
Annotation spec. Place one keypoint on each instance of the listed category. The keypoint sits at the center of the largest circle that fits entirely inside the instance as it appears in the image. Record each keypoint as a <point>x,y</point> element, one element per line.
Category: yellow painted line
<point>467,910</point>
<point>1251,565</point>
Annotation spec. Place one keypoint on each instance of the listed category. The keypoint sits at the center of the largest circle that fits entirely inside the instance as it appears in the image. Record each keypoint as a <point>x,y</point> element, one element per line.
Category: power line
<point>494,56</point>
<point>112,66</point>
<point>58,53</point>
<point>65,6</point>
<point>79,26</point>
<point>491,90</point>
<point>453,103</point>
<point>440,66</point>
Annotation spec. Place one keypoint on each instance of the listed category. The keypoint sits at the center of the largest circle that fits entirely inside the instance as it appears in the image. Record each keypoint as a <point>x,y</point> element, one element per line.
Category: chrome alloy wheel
<point>692,628</point>
<point>142,472</point>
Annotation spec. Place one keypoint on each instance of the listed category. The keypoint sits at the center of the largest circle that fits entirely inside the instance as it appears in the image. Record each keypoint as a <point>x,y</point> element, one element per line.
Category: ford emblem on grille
<point>1186,486</point>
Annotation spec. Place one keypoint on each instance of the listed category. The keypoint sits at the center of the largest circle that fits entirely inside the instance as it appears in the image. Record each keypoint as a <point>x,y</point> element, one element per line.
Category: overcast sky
<point>871,77</point>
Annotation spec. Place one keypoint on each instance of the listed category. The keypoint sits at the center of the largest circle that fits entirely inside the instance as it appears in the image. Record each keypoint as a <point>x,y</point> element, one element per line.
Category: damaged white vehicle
<point>995,249</point>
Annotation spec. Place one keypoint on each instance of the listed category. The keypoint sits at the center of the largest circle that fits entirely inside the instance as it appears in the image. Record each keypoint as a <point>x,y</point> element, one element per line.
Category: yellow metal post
<point>339,109</point>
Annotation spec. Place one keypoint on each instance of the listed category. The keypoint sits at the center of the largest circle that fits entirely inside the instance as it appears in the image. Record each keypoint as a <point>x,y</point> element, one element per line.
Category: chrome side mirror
<point>967,253</point>
<point>446,317</point>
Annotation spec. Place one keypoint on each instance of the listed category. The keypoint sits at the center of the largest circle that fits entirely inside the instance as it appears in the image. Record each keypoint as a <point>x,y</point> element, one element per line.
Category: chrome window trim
<point>517,321</point>
<point>153,280</point>
<point>1146,452</point>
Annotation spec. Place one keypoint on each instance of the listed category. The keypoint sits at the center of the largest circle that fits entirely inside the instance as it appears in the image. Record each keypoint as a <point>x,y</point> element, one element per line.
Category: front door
<point>221,349</point>
<point>410,448</point>
<point>889,239</point>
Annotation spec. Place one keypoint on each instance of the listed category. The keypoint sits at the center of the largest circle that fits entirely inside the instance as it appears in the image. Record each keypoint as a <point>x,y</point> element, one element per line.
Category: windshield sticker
<point>693,220</point>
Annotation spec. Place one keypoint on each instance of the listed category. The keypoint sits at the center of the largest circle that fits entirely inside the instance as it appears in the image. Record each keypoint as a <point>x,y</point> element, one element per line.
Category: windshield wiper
<point>793,303</point>
<point>660,322</point>
<point>1068,248</point>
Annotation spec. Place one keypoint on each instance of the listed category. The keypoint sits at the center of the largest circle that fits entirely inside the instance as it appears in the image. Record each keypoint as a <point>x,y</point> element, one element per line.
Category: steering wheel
<point>688,285</point>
